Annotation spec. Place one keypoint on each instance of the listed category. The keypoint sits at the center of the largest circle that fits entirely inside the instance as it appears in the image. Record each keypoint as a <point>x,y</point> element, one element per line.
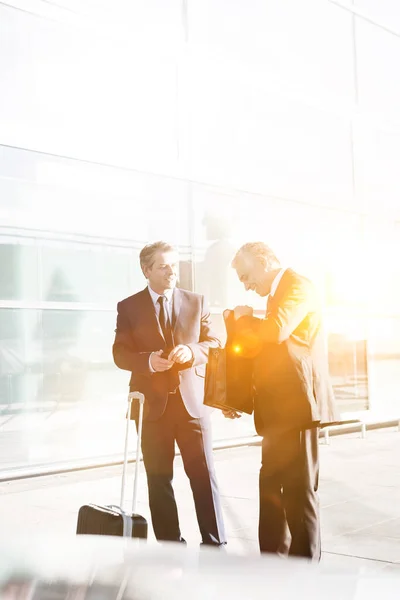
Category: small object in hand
<point>242,311</point>
<point>180,354</point>
<point>231,414</point>
<point>158,363</point>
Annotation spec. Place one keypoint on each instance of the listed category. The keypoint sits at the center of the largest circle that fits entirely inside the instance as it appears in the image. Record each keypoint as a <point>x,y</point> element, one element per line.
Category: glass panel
<point>348,363</point>
<point>72,273</point>
<point>385,12</point>
<point>278,41</point>
<point>268,111</point>
<point>377,158</point>
<point>16,163</point>
<point>384,364</point>
<point>19,269</point>
<point>56,194</point>
<point>252,139</point>
<point>61,397</point>
<point>382,249</point>
<point>108,120</point>
<point>19,329</point>
<point>378,87</point>
<point>381,265</point>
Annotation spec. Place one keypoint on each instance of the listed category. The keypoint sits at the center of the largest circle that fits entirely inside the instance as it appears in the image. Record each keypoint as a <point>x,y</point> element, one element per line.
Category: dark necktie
<point>165,322</point>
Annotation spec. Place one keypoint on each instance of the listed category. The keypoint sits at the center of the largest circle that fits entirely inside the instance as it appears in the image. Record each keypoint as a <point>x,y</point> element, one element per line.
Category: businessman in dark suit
<point>163,335</point>
<point>293,398</point>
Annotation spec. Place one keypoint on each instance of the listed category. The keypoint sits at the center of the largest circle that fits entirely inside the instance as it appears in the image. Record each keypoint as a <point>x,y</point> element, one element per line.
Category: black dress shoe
<point>213,545</point>
<point>180,541</point>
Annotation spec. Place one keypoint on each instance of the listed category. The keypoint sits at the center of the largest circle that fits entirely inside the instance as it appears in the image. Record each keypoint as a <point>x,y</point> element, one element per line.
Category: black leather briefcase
<point>229,376</point>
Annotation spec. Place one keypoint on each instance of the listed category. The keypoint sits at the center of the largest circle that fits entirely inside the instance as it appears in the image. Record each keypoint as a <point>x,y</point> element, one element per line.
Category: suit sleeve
<point>207,339</point>
<point>124,352</point>
<point>281,322</point>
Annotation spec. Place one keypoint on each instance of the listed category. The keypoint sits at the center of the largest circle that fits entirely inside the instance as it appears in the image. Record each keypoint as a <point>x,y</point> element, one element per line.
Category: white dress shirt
<point>276,282</point>
<point>168,304</point>
<point>154,296</point>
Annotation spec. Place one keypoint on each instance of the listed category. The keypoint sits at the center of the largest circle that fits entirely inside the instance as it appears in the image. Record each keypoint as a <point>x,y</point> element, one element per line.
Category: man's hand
<point>242,311</point>
<point>180,354</point>
<point>158,363</point>
<point>231,414</point>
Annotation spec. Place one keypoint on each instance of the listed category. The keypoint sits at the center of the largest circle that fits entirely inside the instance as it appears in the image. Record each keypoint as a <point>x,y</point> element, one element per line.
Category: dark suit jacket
<point>290,372</point>
<point>138,333</point>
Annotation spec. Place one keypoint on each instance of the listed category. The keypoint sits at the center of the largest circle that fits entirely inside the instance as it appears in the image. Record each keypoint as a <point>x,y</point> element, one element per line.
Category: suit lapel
<point>176,307</point>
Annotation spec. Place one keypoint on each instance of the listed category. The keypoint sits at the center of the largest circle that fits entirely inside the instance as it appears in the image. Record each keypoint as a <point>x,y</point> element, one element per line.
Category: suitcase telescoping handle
<point>132,396</point>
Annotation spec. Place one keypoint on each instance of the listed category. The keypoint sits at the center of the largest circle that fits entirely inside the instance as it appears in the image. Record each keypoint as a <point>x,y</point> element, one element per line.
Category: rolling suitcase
<point>113,520</point>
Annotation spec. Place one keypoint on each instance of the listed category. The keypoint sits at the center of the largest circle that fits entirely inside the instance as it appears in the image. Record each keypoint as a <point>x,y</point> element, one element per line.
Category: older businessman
<point>293,396</point>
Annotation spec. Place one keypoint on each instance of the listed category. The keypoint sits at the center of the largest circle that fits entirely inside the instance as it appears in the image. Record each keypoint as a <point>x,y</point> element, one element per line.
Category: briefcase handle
<point>132,396</point>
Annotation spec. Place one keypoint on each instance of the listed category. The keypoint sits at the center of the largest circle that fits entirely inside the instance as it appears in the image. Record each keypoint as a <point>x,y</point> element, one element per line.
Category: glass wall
<point>208,124</point>
<point>61,397</point>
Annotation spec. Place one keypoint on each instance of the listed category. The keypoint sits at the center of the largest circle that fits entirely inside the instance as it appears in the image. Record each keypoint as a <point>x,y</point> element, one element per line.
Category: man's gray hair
<point>258,250</point>
<point>147,254</point>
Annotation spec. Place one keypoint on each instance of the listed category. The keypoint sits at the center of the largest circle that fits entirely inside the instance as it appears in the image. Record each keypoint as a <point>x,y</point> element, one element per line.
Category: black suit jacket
<point>138,333</point>
<point>290,372</point>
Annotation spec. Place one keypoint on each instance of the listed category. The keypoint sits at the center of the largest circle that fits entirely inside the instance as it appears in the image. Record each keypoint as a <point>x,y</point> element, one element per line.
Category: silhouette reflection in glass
<point>215,270</point>
<point>63,371</point>
<point>185,281</point>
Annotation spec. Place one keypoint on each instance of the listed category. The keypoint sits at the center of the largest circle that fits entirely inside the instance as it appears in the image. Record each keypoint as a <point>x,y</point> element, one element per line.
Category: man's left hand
<point>180,354</point>
<point>242,311</point>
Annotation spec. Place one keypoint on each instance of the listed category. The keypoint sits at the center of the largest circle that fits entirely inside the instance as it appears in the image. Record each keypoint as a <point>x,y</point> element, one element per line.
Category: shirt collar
<point>155,296</point>
<point>276,282</point>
